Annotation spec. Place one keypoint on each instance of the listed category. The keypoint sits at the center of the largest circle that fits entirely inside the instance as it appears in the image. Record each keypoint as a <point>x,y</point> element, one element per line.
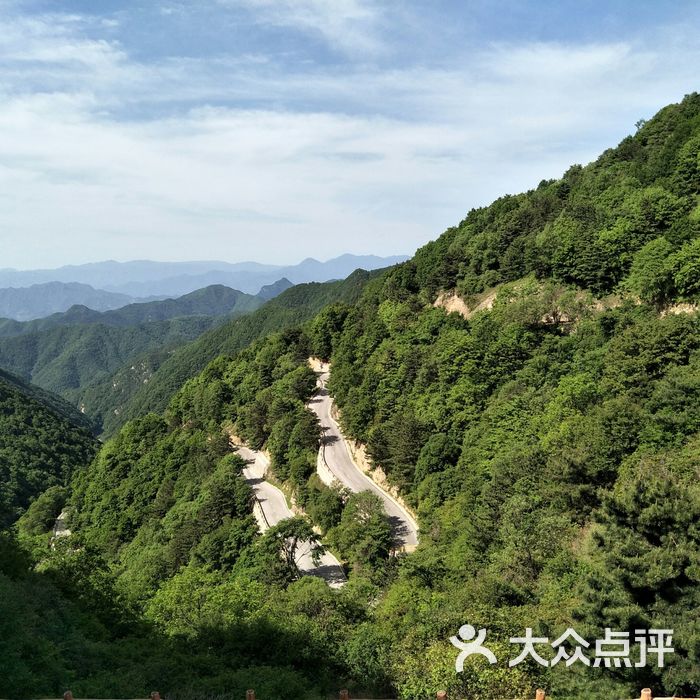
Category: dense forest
<point>43,441</point>
<point>546,431</point>
<point>65,358</point>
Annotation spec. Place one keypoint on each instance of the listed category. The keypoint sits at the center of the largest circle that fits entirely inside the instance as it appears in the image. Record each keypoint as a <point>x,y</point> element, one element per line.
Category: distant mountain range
<point>66,351</point>
<point>251,280</point>
<point>39,300</point>
<point>213,301</point>
<point>144,278</point>
<point>100,359</point>
<point>117,274</point>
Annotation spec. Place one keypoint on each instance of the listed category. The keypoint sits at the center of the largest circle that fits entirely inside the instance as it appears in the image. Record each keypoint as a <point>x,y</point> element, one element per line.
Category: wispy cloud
<point>347,25</point>
<point>240,156</point>
<point>52,39</point>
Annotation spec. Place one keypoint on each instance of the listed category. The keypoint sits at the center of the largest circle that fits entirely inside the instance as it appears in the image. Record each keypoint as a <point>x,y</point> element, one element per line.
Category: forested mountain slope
<point>69,357</point>
<point>42,443</point>
<point>549,443</point>
<point>52,401</point>
<point>293,306</point>
<point>78,352</point>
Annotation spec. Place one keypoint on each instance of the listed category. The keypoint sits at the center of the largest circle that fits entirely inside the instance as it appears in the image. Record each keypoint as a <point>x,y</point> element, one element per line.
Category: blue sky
<point>279,129</point>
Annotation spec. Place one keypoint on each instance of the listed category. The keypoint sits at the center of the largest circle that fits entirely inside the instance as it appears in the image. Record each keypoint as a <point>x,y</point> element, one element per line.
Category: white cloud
<point>52,39</point>
<point>347,25</point>
<point>330,160</point>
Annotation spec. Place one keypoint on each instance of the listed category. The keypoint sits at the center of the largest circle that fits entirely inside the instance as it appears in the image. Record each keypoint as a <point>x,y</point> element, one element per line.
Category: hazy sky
<point>279,129</point>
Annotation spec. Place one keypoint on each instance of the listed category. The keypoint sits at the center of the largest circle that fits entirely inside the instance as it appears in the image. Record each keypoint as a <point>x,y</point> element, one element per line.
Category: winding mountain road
<point>274,509</point>
<point>340,462</point>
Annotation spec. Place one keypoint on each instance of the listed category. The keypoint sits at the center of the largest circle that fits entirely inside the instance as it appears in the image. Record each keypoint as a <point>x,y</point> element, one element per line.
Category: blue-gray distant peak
<point>39,300</point>
<point>145,278</point>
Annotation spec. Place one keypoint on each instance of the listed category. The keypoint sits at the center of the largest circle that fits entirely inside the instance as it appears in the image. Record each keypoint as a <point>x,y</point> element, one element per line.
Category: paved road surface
<point>274,507</point>
<point>341,463</point>
<point>271,499</point>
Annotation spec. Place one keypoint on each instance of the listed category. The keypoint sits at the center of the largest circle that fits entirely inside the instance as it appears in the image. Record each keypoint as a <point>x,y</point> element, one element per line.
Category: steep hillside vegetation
<point>166,519</point>
<point>549,444</point>
<point>293,306</point>
<point>42,443</point>
<point>52,401</point>
<point>631,217</point>
<point>69,357</point>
